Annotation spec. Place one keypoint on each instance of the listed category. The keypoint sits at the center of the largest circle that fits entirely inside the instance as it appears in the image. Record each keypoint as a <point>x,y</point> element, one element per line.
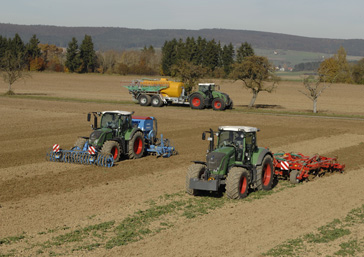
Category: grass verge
<point>337,230</point>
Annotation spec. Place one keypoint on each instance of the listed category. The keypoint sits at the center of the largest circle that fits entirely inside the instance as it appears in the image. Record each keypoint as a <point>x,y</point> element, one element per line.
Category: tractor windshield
<point>110,120</point>
<point>230,137</point>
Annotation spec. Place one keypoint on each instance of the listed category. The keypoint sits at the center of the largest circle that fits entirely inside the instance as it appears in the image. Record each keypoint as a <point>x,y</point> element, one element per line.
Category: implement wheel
<point>265,174</point>
<point>157,101</point>
<point>144,100</point>
<point>237,183</point>
<point>197,101</point>
<point>293,176</point>
<point>194,171</point>
<point>218,104</point>
<point>136,146</point>
<point>113,148</point>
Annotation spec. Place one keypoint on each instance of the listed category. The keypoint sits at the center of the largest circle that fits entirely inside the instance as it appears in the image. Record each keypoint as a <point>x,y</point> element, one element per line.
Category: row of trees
<point>217,60</point>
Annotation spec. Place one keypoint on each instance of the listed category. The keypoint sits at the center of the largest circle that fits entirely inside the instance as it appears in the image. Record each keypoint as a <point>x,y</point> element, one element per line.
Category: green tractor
<point>116,135</point>
<point>206,97</point>
<point>236,163</point>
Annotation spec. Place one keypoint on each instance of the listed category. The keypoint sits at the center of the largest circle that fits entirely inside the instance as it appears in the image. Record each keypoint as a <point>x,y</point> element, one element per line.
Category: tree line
<point>215,59</point>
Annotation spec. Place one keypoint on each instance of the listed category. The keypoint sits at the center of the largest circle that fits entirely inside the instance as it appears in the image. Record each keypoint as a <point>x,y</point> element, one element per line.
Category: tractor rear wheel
<point>237,183</point>
<point>293,176</point>
<point>218,104</point>
<point>80,142</point>
<point>265,174</point>
<point>197,101</point>
<point>156,101</point>
<point>113,148</point>
<point>144,100</point>
<point>194,171</point>
<point>136,146</point>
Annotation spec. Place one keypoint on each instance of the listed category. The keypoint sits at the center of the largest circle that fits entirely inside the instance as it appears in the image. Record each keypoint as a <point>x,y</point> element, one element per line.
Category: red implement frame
<point>315,165</point>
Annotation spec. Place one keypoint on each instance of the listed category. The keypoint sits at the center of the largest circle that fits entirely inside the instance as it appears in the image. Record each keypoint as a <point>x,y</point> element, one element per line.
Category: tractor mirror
<point>88,116</point>
<point>203,136</point>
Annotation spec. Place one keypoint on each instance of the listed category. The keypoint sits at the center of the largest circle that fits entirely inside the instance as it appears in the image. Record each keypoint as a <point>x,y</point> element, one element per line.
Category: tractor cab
<point>113,124</point>
<point>241,138</point>
<point>206,87</point>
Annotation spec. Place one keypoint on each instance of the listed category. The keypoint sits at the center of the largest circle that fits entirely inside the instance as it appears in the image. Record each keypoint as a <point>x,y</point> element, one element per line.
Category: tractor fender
<point>197,92</point>
<point>130,135</point>
<point>262,154</point>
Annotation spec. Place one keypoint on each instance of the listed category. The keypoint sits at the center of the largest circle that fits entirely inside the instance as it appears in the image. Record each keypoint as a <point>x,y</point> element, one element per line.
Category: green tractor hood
<point>218,159</point>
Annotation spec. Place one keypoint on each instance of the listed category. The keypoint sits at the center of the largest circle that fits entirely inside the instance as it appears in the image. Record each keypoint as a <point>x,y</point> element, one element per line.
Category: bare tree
<point>257,75</point>
<point>12,68</point>
<point>314,87</point>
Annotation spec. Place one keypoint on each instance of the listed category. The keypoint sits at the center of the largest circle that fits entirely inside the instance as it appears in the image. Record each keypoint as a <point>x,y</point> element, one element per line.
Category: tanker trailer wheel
<point>136,146</point>
<point>194,171</point>
<point>237,183</point>
<point>80,142</point>
<point>218,104</point>
<point>113,148</point>
<point>265,174</point>
<point>197,101</point>
<point>293,176</point>
<point>144,100</point>
<point>156,101</point>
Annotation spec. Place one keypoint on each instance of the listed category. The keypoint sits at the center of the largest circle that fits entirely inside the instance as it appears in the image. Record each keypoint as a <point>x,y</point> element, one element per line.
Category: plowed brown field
<point>40,200</point>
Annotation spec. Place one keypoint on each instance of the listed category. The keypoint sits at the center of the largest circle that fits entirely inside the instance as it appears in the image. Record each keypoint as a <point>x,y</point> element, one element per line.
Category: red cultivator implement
<point>299,167</point>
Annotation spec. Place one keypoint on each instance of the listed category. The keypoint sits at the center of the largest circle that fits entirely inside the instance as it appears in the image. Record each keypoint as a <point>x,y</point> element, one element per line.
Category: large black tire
<point>156,101</point>
<point>136,145</point>
<point>218,104</point>
<point>265,174</point>
<point>80,142</point>
<point>293,176</point>
<point>237,183</point>
<point>113,148</point>
<point>197,101</point>
<point>194,171</point>
<point>144,100</point>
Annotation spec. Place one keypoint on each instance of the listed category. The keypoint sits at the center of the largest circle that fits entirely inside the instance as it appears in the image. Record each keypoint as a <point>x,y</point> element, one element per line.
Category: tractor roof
<point>238,128</point>
<point>119,112</point>
<point>206,84</point>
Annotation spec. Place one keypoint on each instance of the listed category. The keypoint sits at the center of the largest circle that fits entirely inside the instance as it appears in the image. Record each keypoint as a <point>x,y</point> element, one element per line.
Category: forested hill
<point>106,38</point>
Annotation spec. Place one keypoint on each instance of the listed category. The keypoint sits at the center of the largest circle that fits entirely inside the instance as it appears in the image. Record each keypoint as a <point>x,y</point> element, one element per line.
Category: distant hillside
<point>106,38</point>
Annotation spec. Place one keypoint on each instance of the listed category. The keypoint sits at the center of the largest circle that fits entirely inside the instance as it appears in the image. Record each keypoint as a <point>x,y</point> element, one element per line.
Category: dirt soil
<point>38,197</point>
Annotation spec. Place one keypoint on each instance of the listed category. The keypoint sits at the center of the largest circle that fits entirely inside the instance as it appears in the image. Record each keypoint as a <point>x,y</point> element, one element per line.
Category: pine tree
<point>169,56</point>
<point>87,55</point>
<point>243,51</point>
<point>73,62</point>
<point>227,58</point>
<point>33,50</point>
<point>3,46</point>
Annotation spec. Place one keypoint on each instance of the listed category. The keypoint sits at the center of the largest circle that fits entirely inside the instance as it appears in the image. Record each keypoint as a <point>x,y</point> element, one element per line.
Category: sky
<point>339,19</point>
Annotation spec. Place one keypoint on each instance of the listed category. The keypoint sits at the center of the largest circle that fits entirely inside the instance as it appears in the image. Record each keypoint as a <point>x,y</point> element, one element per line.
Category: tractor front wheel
<point>197,101</point>
<point>237,183</point>
<point>136,146</point>
<point>194,171</point>
<point>218,104</point>
<point>113,148</point>
<point>265,174</point>
<point>144,100</point>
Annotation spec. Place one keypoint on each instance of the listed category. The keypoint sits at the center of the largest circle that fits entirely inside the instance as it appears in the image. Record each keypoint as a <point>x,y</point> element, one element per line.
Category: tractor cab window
<point>250,140</point>
<point>229,137</point>
<point>110,120</point>
<point>204,88</point>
